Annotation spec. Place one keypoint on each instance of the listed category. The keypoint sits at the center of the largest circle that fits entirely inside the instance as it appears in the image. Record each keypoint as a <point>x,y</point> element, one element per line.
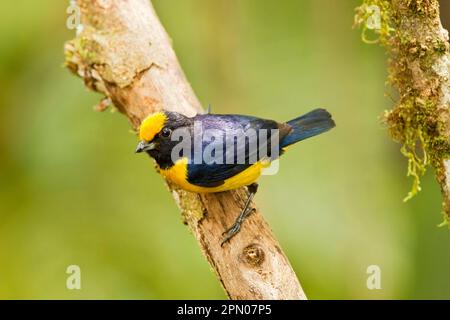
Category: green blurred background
<point>73,192</point>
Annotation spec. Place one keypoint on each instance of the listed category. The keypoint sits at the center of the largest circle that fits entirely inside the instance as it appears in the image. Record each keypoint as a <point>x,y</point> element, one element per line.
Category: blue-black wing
<point>236,156</point>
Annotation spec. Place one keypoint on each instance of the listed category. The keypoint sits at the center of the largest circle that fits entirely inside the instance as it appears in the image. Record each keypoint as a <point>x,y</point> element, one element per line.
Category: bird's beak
<point>144,146</point>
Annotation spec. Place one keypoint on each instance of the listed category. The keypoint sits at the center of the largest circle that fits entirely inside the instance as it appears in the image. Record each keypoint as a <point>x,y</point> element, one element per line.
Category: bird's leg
<point>234,229</point>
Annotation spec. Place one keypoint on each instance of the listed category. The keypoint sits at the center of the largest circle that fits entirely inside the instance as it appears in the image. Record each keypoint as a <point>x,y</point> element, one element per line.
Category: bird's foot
<point>236,227</point>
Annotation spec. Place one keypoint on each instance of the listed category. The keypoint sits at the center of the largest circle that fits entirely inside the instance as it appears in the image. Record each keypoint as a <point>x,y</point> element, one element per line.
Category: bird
<point>210,153</point>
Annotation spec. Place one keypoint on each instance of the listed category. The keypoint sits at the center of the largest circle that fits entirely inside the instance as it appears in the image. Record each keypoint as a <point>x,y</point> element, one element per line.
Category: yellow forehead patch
<point>152,125</point>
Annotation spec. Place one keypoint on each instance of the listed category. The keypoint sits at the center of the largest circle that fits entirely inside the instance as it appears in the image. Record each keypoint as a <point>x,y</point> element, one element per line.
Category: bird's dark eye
<point>166,132</point>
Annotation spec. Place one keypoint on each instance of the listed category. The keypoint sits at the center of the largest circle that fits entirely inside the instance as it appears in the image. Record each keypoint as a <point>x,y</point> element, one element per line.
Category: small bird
<point>219,152</point>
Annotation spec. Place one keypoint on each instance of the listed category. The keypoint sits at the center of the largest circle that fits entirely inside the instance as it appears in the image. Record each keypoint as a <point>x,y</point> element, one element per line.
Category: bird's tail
<point>308,125</point>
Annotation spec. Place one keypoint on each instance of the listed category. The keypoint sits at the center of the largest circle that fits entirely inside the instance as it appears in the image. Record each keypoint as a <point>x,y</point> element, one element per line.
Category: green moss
<point>440,47</point>
<point>416,121</point>
<point>444,223</point>
<point>365,12</point>
<point>421,7</point>
<point>84,48</point>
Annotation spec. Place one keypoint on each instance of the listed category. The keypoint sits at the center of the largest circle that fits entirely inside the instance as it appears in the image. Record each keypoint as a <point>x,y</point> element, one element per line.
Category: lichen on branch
<point>418,48</point>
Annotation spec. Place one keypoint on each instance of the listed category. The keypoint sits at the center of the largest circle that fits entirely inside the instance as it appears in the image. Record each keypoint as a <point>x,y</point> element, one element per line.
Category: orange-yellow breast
<point>178,175</point>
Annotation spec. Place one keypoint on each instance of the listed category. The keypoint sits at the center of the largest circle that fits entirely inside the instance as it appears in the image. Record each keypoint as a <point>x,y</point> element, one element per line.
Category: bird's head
<point>156,130</point>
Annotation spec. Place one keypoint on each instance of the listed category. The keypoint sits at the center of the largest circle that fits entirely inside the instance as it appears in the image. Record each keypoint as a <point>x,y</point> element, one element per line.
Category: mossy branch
<point>419,62</point>
<point>124,53</point>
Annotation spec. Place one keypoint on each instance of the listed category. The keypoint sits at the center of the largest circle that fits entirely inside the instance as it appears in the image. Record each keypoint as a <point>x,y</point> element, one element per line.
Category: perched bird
<point>214,153</point>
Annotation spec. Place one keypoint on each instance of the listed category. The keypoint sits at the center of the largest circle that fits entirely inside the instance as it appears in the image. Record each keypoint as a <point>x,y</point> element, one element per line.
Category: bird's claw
<point>236,227</point>
<point>231,232</point>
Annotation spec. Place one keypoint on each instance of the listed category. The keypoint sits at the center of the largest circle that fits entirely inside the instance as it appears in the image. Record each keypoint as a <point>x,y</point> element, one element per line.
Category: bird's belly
<point>178,175</point>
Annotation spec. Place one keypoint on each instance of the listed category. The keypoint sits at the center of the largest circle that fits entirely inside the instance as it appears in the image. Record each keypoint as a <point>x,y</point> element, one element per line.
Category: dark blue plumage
<point>308,125</point>
<point>214,174</point>
<point>227,125</point>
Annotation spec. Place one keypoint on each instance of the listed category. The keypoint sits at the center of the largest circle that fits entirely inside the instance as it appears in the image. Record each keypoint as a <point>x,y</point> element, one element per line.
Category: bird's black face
<point>156,134</point>
<point>160,147</point>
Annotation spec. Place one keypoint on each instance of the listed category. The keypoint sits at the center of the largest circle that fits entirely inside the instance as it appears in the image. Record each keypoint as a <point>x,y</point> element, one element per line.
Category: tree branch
<point>419,70</point>
<point>123,52</point>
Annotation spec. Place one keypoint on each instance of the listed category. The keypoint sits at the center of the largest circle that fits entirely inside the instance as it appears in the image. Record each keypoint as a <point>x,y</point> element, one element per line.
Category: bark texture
<point>122,51</point>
